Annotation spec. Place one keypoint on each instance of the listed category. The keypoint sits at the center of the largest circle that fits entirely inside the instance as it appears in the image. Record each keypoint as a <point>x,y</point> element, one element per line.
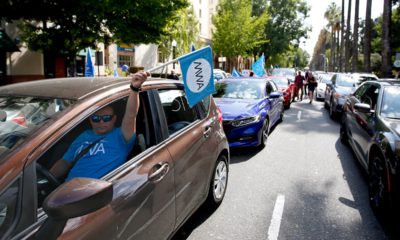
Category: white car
<point>219,74</point>
<point>323,79</point>
<point>362,77</point>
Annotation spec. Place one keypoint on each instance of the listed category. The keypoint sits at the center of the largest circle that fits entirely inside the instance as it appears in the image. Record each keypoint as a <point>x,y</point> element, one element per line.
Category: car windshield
<point>345,81</point>
<point>21,116</point>
<point>239,89</point>
<point>281,82</point>
<point>391,102</point>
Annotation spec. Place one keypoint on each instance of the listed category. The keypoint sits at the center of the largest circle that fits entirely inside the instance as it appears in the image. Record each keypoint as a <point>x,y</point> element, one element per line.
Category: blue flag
<point>258,66</point>
<point>116,73</point>
<point>89,68</point>
<point>192,49</point>
<point>235,73</point>
<point>197,71</point>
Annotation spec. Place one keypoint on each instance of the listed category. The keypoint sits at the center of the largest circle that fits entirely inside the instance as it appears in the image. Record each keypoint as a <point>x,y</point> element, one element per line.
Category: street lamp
<point>173,52</point>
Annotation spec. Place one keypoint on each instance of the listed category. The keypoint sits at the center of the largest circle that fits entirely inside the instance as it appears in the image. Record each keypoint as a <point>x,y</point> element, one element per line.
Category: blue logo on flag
<point>258,66</point>
<point>197,71</point>
<point>235,73</point>
<point>89,68</point>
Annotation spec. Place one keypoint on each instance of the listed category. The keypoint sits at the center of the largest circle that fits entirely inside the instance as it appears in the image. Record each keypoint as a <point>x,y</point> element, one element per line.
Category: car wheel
<point>331,111</point>
<point>218,182</point>
<point>281,114</point>
<point>264,133</point>
<point>379,196</point>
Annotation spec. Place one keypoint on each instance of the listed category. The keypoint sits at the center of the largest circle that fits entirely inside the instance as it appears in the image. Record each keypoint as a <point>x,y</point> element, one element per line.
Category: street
<point>305,184</point>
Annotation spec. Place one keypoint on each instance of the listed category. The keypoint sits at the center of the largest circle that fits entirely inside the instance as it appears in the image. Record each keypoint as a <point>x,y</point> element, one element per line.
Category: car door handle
<point>207,132</point>
<point>158,171</point>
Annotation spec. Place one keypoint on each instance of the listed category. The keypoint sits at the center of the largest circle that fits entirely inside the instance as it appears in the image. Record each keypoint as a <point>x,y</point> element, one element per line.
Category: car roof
<point>248,79</point>
<point>71,88</point>
<point>386,82</point>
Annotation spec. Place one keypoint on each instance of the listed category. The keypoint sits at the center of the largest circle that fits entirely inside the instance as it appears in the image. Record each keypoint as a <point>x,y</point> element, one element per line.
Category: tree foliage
<point>65,27</point>
<point>286,26</point>
<point>237,33</point>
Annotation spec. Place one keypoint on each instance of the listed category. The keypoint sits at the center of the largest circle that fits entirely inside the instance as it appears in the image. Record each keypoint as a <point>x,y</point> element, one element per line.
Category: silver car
<point>323,79</point>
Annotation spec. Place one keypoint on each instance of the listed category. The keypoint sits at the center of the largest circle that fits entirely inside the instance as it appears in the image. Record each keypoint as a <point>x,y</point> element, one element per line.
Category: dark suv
<point>371,125</point>
<point>180,160</point>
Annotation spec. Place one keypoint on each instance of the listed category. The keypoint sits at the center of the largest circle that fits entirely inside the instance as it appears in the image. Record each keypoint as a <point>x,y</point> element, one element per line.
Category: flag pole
<point>173,60</point>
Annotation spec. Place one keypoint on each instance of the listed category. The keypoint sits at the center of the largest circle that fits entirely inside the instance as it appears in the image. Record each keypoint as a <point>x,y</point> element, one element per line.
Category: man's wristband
<point>135,89</point>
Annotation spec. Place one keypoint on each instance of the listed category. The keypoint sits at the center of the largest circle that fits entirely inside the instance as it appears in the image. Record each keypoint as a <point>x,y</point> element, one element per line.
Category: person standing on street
<point>312,84</point>
<point>305,83</point>
<point>298,86</point>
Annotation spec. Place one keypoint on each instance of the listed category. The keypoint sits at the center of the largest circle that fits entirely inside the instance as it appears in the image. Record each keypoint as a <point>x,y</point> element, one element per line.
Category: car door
<point>364,122</point>
<point>193,151</point>
<point>328,90</point>
<point>143,187</point>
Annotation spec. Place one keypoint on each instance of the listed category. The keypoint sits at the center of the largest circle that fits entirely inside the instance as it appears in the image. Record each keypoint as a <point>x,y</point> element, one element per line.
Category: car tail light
<point>219,115</point>
<point>20,119</point>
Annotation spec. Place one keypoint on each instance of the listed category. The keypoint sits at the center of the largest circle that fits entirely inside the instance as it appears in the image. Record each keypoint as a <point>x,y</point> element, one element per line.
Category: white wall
<point>146,55</point>
<point>25,63</point>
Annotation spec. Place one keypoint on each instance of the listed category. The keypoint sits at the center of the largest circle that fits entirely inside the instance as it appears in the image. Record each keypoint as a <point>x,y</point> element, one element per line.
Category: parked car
<point>250,108</point>
<point>181,160</point>
<point>219,74</point>
<point>286,87</point>
<point>362,77</point>
<point>336,92</point>
<point>371,126</point>
<point>323,79</point>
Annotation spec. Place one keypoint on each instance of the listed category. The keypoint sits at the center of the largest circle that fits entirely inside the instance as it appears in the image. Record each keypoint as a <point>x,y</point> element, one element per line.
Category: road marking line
<point>299,115</point>
<point>273,230</point>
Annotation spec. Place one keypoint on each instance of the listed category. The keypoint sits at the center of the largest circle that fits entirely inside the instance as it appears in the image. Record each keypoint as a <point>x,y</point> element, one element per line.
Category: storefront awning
<point>6,44</point>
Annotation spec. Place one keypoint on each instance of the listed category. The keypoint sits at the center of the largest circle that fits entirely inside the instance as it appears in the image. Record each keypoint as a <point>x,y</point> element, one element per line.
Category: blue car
<point>250,107</point>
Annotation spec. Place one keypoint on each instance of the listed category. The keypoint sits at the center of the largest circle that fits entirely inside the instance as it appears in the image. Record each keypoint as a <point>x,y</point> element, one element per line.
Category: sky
<point>318,22</point>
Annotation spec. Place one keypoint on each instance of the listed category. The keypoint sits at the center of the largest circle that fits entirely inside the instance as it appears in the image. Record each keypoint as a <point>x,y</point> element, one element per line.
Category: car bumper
<point>243,136</point>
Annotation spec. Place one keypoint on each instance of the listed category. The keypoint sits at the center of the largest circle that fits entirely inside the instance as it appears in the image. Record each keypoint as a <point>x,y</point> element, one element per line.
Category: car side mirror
<point>74,198</point>
<point>362,107</point>
<point>275,95</point>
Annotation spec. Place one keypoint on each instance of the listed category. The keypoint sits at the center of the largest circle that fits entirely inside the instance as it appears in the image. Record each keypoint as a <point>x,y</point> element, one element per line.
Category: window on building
<point>161,57</point>
<point>200,13</point>
<point>200,27</point>
<point>126,60</point>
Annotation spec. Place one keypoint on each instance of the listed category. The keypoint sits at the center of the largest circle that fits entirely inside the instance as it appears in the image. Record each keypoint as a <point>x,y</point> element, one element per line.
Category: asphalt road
<point>305,184</point>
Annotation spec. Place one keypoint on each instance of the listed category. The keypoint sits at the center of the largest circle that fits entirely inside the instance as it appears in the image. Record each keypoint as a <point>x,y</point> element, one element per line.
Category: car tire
<point>379,197</point>
<point>281,114</point>
<point>218,182</point>
<point>264,133</point>
<point>332,113</point>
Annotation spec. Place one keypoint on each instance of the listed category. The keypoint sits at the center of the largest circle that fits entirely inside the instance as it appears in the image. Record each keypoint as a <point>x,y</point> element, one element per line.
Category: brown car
<point>179,161</point>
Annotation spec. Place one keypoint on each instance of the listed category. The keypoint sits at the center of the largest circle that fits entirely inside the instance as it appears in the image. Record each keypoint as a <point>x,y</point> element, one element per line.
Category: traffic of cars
<point>180,161</point>
<point>181,158</point>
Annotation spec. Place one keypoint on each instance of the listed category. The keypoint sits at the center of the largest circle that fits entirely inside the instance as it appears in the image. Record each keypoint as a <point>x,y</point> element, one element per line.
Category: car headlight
<point>246,121</point>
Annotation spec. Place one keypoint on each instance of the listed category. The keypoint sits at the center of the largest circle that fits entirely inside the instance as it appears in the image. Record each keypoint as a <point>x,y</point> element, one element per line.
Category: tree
<point>66,27</point>
<point>184,31</point>
<point>341,55</point>
<point>286,26</point>
<point>367,37</point>
<point>332,14</point>
<point>386,46</point>
<point>347,41</point>
<point>355,37</point>
<point>237,33</point>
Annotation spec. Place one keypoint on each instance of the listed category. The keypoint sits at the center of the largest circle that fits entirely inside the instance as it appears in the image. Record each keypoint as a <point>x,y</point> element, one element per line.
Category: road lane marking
<point>299,115</point>
<point>273,231</point>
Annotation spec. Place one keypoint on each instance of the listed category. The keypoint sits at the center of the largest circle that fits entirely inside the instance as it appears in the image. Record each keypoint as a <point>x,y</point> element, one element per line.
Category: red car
<point>286,87</point>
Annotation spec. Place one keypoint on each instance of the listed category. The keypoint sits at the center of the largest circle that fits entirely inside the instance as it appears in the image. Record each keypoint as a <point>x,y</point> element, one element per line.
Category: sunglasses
<point>98,118</point>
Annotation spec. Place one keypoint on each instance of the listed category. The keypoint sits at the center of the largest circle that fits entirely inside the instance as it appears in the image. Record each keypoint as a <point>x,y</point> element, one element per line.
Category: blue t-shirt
<point>106,155</point>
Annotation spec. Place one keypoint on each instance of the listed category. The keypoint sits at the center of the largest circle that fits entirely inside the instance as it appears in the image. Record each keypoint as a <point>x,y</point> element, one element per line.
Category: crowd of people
<point>304,86</point>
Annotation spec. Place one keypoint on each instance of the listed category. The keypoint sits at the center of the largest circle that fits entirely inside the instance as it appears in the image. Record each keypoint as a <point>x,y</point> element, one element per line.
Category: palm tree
<point>341,55</point>
<point>347,50</point>
<point>386,47</point>
<point>332,14</point>
<point>355,37</point>
<point>367,38</point>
